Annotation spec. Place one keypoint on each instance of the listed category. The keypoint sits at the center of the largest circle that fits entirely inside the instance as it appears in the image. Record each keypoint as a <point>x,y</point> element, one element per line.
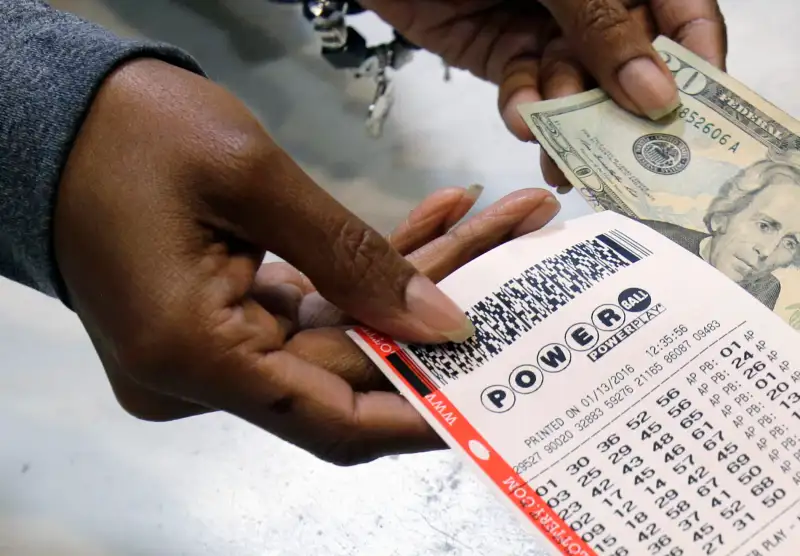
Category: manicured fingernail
<point>563,189</point>
<point>652,91</point>
<point>474,191</point>
<point>540,217</point>
<point>437,311</point>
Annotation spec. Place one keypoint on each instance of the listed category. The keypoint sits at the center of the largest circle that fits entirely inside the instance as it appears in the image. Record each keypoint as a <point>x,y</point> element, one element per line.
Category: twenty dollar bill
<point>720,177</point>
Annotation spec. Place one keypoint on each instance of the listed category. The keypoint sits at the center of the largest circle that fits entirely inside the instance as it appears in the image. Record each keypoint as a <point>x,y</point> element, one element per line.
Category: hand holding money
<point>720,177</point>
<point>552,48</point>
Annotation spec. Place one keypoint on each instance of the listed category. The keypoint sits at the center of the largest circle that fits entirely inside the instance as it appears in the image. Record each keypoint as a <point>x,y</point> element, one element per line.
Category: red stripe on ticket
<point>524,497</point>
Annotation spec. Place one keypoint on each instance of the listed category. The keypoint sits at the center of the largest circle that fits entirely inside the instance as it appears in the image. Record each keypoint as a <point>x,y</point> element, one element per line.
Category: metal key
<point>381,103</point>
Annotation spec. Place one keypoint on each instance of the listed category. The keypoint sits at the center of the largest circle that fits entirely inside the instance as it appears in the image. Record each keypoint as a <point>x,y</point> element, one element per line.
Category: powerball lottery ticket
<point>621,396</point>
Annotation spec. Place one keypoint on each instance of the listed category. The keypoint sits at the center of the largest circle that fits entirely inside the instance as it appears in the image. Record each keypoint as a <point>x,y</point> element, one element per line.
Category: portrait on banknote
<point>752,228</point>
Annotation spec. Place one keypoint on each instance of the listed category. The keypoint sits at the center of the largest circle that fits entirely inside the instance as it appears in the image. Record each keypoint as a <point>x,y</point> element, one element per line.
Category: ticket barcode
<point>523,302</point>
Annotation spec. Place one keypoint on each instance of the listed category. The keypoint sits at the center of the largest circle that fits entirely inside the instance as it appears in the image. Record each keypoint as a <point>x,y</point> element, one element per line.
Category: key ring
<point>346,49</point>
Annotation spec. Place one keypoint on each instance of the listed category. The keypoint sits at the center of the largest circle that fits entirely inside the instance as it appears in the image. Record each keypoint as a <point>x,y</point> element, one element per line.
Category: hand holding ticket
<point>622,396</point>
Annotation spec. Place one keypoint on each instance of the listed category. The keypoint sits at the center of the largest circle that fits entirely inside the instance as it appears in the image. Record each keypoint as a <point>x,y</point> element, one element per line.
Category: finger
<point>429,220</point>
<point>317,312</point>
<point>331,349</point>
<point>616,51</point>
<point>644,17</point>
<point>319,412</point>
<point>280,289</point>
<point>519,85</point>
<point>351,265</point>
<point>244,371</point>
<point>436,214</point>
<point>516,214</point>
<point>552,174</point>
<point>276,273</point>
<point>282,301</point>
<point>696,24</point>
<point>560,76</point>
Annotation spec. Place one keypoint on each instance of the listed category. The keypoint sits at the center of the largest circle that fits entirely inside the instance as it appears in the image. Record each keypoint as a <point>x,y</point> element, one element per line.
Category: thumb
<point>352,265</point>
<point>615,49</point>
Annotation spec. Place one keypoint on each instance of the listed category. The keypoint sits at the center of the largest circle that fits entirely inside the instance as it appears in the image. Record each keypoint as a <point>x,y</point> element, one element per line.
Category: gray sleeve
<point>51,66</point>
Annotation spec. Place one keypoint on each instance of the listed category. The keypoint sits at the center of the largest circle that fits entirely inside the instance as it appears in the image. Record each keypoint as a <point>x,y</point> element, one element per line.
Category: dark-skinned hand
<point>543,49</point>
<point>172,195</point>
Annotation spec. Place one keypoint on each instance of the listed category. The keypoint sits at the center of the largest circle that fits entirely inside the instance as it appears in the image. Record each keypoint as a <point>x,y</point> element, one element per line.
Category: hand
<point>168,202</point>
<point>541,50</point>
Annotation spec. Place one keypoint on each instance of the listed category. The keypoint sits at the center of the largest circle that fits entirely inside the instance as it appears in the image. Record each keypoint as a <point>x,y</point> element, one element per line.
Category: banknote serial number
<point>711,129</point>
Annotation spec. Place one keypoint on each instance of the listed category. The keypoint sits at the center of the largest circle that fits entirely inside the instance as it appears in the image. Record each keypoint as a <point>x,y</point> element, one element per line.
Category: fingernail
<point>525,95</point>
<point>512,117</point>
<point>437,311</point>
<point>563,189</point>
<point>474,191</point>
<point>652,91</point>
<point>540,217</point>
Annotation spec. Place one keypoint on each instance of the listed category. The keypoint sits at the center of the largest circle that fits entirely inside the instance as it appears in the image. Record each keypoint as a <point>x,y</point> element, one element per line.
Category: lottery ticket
<point>621,396</point>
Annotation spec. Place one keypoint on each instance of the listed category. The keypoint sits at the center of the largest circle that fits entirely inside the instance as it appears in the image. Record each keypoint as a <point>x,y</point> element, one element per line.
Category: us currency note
<point>720,177</point>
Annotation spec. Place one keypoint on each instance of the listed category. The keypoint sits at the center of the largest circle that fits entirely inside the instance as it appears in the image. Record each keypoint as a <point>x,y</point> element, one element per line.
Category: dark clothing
<point>51,66</point>
<point>766,289</point>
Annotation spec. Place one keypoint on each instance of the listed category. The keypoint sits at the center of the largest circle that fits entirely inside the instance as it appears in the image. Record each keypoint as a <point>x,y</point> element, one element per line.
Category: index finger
<point>696,24</point>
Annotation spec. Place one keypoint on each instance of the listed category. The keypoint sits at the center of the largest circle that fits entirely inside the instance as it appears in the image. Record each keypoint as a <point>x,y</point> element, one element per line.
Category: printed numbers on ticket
<point>621,395</point>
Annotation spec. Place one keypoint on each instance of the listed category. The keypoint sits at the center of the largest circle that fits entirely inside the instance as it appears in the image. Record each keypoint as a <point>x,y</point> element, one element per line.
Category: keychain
<point>346,49</point>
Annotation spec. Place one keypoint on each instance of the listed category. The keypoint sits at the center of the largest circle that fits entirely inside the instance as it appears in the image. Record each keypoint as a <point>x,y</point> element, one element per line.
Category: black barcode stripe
<point>639,247</point>
<point>623,241</point>
<point>430,384</point>
<point>413,379</point>
<point>632,246</point>
<point>521,303</point>
<point>619,248</point>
